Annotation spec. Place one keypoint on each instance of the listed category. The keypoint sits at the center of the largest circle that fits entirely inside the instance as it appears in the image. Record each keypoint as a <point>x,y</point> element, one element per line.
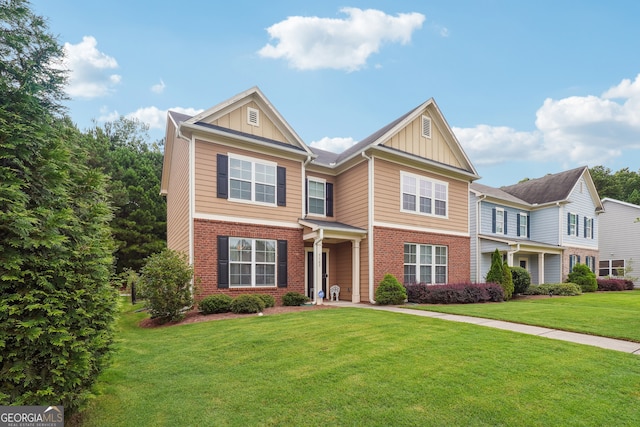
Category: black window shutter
<point>505,222</point>
<point>223,261</point>
<point>282,263</point>
<point>528,226</point>
<point>577,222</point>
<point>569,224</point>
<point>518,225</point>
<point>493,220</point>
<point>282,186</point>
<point>329,189</point>
<point>306,196</point>
<point>222,180</point>
<point>584,230</point>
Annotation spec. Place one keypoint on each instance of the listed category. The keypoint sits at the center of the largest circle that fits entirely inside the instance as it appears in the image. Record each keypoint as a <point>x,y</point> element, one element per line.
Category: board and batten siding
<point>410,140</point>
<point>237,120</point>
<point>580,203</point>
<point>619,233</point>
<point>207,202</point>
<point>388,200</point>
<point>178,199</point>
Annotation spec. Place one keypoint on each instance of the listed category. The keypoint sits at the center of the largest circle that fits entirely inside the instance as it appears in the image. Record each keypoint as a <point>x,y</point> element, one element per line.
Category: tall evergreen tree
<point>57,307</point>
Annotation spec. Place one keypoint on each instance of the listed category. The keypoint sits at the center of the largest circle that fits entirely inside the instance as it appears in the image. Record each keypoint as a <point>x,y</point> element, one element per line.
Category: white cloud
<point>157,118</point>
<point>89,69</point>
<point>335,145</point>
<point>576,130</point>
<point>310,43</point>
<point>159,87</point>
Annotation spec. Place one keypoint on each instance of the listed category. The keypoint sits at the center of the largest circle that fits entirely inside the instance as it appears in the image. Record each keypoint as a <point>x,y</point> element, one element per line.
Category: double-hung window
<point>573,225</point>
<point>499,221</point>
<point>588,228</point>
<point>423,195</point>
<point>523,225</point>
<point>252,180</point>
<point>425,263</point>
<point>317,196</point>
<point>252,262</point>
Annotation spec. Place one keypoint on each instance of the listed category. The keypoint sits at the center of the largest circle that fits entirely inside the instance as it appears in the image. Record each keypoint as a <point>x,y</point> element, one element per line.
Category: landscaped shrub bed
<point>293,299</point>
<point>461,293</point>
<point>615,285</point>
<point>560,289</point>
<point>219,303</point>
<point>247,303</point>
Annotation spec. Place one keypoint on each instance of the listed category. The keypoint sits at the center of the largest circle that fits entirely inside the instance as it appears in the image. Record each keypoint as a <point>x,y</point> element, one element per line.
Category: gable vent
<point>426,127</point>
<point>253,116</point>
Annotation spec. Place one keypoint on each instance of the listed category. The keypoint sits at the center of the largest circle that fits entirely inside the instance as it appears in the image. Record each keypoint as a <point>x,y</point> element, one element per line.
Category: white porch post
<point>317,271</point>
<point>355,270</point>
<point>540,268</point>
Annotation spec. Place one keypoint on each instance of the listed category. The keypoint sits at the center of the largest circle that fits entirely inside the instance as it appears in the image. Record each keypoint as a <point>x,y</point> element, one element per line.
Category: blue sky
<point>529,88</point>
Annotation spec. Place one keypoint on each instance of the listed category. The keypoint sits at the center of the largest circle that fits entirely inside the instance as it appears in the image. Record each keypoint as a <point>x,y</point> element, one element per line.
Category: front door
<point>310,272</point>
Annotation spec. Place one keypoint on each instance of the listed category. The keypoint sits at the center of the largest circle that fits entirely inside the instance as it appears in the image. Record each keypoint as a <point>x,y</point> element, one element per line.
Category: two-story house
<point>257,210</point>
<point>546,225</point>
<point>619,239</point>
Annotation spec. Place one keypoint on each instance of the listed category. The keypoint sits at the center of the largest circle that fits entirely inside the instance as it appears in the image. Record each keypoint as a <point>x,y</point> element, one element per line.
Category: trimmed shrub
<point>521,279</point>
<point>165,284</point>
<point>246,303</point>
<point>583,277</point>
<point>268,300</point>
<point>390,291</point>
<point>219,303</point>
<point>495,273</point>
<point>293,299</point>
<point>556,289</point>
<point>462,293</point>
<point>507,281</point>
<point>615,285</point>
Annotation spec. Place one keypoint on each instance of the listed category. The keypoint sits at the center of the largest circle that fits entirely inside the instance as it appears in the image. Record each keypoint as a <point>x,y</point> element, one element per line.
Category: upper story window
<point>588,228</point>
<point>500,220</point>
<point>523,225</point>
<point>252,180</point>
<point>316,199</point>
<point>423,195</point>
<point>572,224</point>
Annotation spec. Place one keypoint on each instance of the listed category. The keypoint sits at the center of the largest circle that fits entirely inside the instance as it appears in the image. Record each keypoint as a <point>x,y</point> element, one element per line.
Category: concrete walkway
<point>602,342</point>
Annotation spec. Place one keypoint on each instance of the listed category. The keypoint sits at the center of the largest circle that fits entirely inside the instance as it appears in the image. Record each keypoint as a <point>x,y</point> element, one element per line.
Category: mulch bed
<point>194,316</point>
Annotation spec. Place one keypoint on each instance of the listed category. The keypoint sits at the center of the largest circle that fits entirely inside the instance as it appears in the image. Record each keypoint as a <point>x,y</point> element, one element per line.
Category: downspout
<point>510,253</point>
<point>370,243</point>
<point>317,267</point>
<point>478,223</point>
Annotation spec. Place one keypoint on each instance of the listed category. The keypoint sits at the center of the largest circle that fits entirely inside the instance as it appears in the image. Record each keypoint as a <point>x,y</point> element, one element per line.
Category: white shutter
<point>426,127</point>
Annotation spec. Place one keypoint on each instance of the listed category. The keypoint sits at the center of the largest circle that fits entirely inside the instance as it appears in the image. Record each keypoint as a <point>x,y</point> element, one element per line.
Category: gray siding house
<point>619,238</point>
<point>545,225</point>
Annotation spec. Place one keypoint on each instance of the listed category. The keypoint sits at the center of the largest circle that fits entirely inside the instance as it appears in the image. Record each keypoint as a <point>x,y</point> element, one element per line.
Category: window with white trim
<point>252,180</point>
<point>591,263</point>
<point>573,261</point>
<point>423,195</point>
<point>252,262</point>
<point>499,221</point>
<point>316,196</point>
<point>588,228</point>
<point>573,224</point>
<point>522,221</point>
<point>611,267</point>
<point>425,264</point>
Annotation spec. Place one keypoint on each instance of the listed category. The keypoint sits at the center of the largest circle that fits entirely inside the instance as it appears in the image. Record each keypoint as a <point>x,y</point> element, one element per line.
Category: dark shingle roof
<point>248,135</point>
<point>550,188</point>
<point>497,193</point>
<point>179,117</point>
<point>324,157</point>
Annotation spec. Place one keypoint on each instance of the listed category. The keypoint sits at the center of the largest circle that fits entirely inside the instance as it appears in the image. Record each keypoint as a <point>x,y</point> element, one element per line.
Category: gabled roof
<point>496,193</point>
<point>550,188</point>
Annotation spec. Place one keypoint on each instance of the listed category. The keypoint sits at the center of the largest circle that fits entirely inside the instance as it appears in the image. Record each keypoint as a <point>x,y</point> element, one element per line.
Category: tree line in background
<point>623,185</point>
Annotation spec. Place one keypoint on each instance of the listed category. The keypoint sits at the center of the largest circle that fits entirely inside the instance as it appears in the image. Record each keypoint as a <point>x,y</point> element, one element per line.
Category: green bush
<point>246,303</point>
<point>268,300</point>
<point>584,277</point>
<point>521,279</point>
<point>507,281</point>
<point>219,303</point>
<point>293,299</point>
<point>390,291</point>
<point>165,284</point>
<point>555,289</point>
<point>495,273</point>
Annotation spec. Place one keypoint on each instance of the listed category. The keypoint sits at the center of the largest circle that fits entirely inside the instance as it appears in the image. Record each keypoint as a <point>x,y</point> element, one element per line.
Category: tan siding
<point>350,196</point>
<point>410,140</point>
<point>237,120</point>
<point>178,198</point>
<point>343,260</point>
<point>205,186</point>
<point>387,197</point>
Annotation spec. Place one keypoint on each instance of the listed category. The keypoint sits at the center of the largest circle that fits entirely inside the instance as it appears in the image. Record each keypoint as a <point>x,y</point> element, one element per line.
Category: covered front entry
<point>332,258</point>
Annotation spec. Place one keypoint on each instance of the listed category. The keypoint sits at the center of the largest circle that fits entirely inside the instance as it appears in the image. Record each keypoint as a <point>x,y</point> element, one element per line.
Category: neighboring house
<point>257,210</point>
<point>545,225</point>
<point>619,236</point>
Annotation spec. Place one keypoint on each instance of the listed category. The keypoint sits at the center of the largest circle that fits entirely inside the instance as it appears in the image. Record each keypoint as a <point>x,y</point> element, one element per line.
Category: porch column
<point>355,270</point>
<point>540,268</point>
<point>317,271</point>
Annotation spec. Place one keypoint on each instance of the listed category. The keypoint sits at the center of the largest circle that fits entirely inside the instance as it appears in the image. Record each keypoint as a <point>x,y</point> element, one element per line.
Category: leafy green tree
<point>122,151</point>
<point>57,307</point>
<point>507,281</point>
<point>582,276</point>
<point>495,271</point>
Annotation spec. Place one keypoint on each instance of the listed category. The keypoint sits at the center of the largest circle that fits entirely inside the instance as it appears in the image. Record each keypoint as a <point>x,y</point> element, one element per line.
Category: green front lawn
<point>609,314</point>
<point>352,366</point>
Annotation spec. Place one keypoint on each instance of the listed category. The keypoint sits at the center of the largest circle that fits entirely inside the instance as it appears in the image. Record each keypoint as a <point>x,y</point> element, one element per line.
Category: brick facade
<point>389,253</point>
<point>206,256</point>
<point>582,253</point>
